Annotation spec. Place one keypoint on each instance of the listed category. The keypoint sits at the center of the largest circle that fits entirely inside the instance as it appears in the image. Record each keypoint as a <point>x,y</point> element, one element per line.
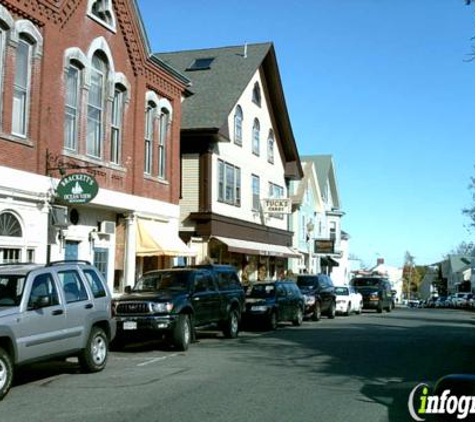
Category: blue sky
<point>382,85</point>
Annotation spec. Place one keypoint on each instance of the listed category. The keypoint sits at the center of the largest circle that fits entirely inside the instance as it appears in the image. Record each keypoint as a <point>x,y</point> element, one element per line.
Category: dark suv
<point>376,292</point>
<point>175,301</point>
<point>319,295</point>
<point>274,301</point>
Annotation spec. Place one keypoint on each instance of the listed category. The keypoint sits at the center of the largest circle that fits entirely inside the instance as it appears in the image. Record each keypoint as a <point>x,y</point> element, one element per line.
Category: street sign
<point>77,188</point>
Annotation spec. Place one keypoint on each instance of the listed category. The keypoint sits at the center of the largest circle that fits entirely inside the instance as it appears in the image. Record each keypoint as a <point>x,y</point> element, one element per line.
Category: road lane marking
<point>157,359</point>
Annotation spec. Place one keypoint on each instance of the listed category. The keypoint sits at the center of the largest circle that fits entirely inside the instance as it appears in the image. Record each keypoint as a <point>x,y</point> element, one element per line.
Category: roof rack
<point>69,261</point>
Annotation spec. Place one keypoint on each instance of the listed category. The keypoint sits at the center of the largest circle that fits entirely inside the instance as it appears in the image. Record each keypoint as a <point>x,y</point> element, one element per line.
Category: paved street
<point>360,368</point>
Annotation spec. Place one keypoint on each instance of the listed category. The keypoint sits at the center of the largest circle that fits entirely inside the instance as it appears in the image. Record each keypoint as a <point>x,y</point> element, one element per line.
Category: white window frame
<point>95,147</point>
<point>72,110</point>
<point>256,135</point>
<point>150,113</point>
<point>270,148</point>
<point>108,5</point>
<point>257,94</point>
<point>117,118</point>
<point>21,115</point>
<point>229,191</point>
<point>163,135</point>
<point>238,118</point>
<point>256,192</point>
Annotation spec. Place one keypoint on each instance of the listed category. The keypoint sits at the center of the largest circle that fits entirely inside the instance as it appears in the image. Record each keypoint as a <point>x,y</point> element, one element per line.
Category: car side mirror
<point>41,302</point>
<point>128,290</point>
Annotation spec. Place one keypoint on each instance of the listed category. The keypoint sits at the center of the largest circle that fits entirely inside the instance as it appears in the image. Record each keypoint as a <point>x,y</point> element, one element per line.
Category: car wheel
<point>298,317</point>
<point>360,308</point>
<point>388,309</point>
<point>332,311</point>
<point>94,357</point>
<point>6,373</point>
<point>273,320</point>
<point>231,327</point>
<point>348,310</point>
<point>182,333</point>
<point>317,313</point>
<point>379,310</point>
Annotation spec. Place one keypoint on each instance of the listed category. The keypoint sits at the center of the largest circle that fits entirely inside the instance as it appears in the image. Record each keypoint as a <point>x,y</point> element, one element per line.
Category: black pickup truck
<point>175,301</point>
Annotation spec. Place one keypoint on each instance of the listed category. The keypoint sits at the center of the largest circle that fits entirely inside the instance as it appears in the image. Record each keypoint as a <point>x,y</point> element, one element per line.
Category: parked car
<point>174,302</point>
<point>319,295</point>
<point>461,300</point>
<point>348,300</point>
<point>274,302</point>
<point>376,292</point>
<point>441,302</point>
<point>48,311</point>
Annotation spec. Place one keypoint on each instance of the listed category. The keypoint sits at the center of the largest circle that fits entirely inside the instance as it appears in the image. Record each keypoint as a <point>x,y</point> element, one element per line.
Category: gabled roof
<point>325,170</point>
<point>309,178</point>
<point>217,89</point>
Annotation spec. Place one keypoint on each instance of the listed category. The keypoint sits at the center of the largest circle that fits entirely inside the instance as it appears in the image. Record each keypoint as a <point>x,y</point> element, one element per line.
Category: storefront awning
<point>257,248</point>
<point>328,261</point>
<point>155,238</point>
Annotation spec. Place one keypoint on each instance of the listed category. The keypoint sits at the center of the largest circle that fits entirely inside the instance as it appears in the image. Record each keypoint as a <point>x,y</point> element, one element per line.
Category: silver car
<point>58,310</point>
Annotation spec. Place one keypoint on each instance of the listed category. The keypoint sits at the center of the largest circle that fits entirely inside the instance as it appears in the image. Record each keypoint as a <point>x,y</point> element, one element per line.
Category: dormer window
<point>102,12</point>
<point>256,94</point>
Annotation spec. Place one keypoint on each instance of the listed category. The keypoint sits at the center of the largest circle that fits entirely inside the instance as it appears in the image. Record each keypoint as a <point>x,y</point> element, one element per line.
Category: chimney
<point>380,261</point>
<point>245,50</point>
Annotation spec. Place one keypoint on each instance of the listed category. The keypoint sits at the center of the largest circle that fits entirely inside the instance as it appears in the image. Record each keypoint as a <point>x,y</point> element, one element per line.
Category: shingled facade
<point>237,150</point>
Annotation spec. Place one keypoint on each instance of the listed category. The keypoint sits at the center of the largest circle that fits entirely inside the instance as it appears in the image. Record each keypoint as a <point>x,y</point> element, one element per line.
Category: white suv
<point>57,310</point>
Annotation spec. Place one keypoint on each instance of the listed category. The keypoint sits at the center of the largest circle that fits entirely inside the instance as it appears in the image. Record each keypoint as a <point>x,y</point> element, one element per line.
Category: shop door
<point>71,251</point>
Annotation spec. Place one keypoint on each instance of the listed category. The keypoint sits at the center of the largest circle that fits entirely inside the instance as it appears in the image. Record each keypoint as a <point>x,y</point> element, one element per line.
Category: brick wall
<point>64,25</point>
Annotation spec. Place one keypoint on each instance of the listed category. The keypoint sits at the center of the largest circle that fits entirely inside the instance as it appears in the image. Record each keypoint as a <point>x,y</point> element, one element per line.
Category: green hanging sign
<point>77,188</point>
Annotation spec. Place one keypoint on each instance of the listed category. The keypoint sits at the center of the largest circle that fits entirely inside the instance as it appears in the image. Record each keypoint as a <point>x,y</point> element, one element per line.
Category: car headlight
<point>309,300</point>
<point>259,308</point>
<point>162,307</point>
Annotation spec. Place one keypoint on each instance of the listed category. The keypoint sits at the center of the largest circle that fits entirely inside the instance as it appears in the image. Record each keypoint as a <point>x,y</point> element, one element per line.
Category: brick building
<point>81,93</point>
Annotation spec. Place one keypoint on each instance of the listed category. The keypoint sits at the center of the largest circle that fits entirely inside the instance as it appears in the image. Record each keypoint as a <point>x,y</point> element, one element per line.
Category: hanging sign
<point>77,188</point>
<point>277,206</point>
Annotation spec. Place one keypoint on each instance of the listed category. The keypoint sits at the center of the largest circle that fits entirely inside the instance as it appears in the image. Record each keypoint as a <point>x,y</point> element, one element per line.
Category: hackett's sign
<point>77,188</point>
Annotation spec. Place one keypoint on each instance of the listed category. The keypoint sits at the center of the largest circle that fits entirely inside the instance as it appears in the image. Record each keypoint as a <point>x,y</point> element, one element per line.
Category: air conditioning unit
<point>107,227</point>
<point>59,216</point>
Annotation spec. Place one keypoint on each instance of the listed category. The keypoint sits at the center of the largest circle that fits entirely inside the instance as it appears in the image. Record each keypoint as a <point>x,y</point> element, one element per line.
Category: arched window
<point>149,134</point>
<point>256,94</point>
<point>162,142</point>
<point>21,86</point>
<point>72,105</point>
<point>9,225</point>
<point>238,126</point>
<point>256,134</point>
<point>116,123</point>
<point>270,147</point>
<point>96,105</point>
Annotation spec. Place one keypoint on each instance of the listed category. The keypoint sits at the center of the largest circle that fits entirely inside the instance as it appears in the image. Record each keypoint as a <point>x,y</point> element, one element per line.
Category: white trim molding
<point>24,26</point>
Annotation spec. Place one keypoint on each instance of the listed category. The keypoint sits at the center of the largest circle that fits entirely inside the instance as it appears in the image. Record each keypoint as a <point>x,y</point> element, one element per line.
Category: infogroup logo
<point>421,403</point>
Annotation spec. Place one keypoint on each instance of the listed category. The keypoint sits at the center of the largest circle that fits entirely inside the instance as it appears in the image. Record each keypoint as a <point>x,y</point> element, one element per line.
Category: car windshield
<point>306,281</point>
<point>365,282</point>
<point>262,291</point>
<point>11,289</point>
<point>342,291</point>
<point>163,280</point>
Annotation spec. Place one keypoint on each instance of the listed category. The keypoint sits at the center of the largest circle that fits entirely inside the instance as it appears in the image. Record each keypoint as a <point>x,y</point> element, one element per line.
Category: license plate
<point>130,325</point>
